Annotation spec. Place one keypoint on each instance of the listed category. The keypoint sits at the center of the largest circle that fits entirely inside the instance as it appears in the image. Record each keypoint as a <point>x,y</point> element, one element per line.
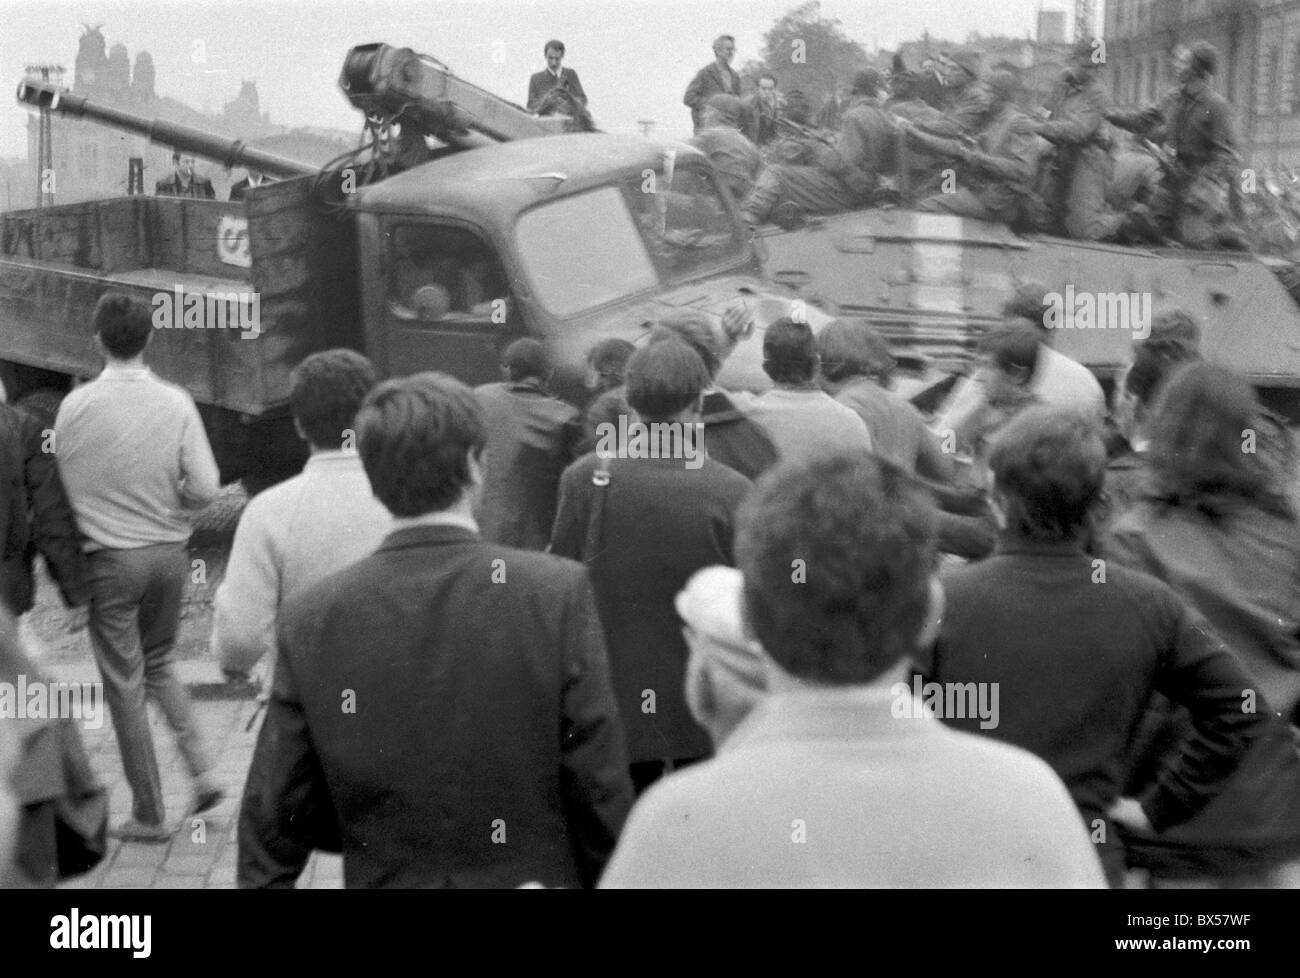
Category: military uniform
<point>1079,172</point>
<point>845,175</point>
<point>995,180</point>
<point>735,159</point>
<point>964,117</point>
<point>1193,206</point>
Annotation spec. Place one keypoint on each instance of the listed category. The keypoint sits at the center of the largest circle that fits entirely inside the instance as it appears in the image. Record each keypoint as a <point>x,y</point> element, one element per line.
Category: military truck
<point>464,224</point>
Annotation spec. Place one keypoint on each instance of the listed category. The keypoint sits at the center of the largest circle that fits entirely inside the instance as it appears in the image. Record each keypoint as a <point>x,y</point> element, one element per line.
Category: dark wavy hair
<point>1049,464</point>
<point>863,532</point>
<point>415,435</point>
<point>1210,439</point>
<point>325,392</point>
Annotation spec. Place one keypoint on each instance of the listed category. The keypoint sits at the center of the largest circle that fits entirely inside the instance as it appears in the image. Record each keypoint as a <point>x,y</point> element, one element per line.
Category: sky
<point>635,57</point>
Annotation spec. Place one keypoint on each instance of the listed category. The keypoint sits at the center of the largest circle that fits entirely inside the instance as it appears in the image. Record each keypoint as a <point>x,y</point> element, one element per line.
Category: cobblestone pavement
<point>201,853</point>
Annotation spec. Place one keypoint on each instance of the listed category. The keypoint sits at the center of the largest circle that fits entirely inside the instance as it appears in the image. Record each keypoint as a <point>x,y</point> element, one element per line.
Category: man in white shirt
<point>301,531</point>
<point>801,419</point>
<point>1057,381</point>
<point>136,464</point>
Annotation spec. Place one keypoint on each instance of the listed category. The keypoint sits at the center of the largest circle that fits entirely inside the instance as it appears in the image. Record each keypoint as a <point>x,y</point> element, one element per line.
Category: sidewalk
<point>201,855</point>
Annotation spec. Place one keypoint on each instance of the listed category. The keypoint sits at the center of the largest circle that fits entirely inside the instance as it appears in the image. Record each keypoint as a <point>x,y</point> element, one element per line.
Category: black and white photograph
<point>648,444</point>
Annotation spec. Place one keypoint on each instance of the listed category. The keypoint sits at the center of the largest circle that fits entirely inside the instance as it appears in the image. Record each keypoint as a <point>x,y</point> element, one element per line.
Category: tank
<point>933,283</point>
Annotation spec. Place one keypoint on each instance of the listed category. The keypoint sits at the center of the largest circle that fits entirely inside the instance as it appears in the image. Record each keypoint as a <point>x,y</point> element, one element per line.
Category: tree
<point>807,51</point>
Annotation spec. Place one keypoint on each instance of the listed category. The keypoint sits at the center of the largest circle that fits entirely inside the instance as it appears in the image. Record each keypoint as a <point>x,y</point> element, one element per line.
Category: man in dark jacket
<point>184,182</point>
<point>40,518</point>
<point>717,78</point>
<point>1079,170</point>
<point>644,522</point>
<point>1074,649</point>
<point>441,709</point>
<point>530,439</point>
<point>555,88</point>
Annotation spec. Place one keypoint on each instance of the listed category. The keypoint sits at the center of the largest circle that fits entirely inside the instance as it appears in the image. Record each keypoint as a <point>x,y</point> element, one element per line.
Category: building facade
<point>1259,64</point>
<point>91,161</point>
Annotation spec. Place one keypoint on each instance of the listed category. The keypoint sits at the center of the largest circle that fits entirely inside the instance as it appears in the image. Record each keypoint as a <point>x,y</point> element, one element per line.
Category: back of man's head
<point>865,532</point>
<point>524,359</point>
<point>325,392</point>
<point>608,358</point>
<point>697,330</point>
<point>1012,347</point>
<point>1048,466</point>
<point>1029,302</point>
<point>123,325</point>
<point>790,352</point>
<point>415,435</point>
<point>853,348</point>
<point>664,379</point>
<point>723,110</point>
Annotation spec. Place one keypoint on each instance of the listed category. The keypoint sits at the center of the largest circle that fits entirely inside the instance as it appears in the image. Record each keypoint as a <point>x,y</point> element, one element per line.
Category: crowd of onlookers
<point>505,646</point>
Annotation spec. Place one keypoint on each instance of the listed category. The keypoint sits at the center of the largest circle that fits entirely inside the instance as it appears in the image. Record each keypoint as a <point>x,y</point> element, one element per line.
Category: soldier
<point>734,158</point>
<point>918,170</point>
<point>970,98</point>
<point>996,176</point>
<point>1194,122</point>
<point>797,141</point>
<point>846,174</point>
<point>1079,170</point>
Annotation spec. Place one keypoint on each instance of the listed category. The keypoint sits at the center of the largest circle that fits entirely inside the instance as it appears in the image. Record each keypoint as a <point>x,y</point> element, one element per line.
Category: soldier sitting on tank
<point>846,174</point>
<point>184,182</point>
<point>735,159</point>
<point>994,178</point>
<point>969,100</point>
<point>1078,171</point>
<point>918,170</point>
<point>796,141</point>
<point>1194,122</point>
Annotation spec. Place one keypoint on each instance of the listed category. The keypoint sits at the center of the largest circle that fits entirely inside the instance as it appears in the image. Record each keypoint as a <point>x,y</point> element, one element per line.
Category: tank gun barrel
<point>228,152</point>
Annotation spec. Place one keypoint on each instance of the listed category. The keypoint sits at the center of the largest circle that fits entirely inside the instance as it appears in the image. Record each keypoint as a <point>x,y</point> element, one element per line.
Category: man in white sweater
<point>838,776</point>
<point>136,464</point>
<point>306,528</point>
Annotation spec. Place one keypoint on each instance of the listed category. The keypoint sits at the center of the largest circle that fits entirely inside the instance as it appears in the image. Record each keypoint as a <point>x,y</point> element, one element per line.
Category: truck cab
<point>567,238</point>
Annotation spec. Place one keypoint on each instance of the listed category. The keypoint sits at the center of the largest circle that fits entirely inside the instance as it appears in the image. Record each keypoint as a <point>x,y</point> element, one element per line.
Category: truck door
<point>448,306</point>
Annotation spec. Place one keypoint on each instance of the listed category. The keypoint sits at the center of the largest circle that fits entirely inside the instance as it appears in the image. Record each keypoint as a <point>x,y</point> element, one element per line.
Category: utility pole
<point>647,126</point>
<point>45,140</point>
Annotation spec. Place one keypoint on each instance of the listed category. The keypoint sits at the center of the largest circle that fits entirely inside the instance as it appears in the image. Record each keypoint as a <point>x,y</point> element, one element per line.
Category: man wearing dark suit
<point>541,85</point>
<point>718,78</point>
<point>644,526</point>
<point>184,182</point>
<point>441,710</point>
<point>530,440</point>
<point>254,178</point>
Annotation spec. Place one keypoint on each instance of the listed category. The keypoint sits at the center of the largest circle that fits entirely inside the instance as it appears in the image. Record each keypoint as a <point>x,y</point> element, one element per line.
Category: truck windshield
<point>597,247</point>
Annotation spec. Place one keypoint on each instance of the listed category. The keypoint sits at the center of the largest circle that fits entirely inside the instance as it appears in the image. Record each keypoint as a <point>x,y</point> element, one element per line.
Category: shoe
<point>133,830</point>
<point>207,798</point>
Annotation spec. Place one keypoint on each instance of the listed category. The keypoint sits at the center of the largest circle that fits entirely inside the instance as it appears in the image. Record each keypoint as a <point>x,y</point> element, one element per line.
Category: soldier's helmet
<point>1004,84</point>
<point>868,81</point>
<point>1205,58</point>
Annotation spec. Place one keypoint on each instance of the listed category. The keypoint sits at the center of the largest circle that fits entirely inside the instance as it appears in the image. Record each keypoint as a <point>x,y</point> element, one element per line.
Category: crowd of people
<point>951,139</point>
<point>504,648</point>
